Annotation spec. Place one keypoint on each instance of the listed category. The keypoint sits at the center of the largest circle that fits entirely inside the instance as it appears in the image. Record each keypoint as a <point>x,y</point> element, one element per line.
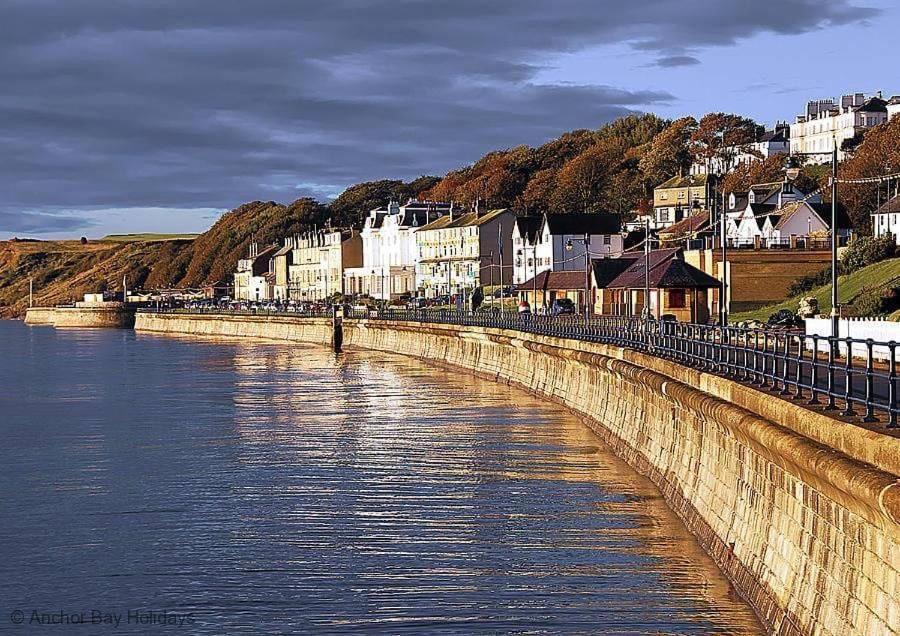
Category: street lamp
<point>586,241</point>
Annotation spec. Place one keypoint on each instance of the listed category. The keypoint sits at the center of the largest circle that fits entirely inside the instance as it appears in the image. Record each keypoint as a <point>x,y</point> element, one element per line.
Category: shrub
<point>810,281</point>
<point>877,302</point>
<point>867,250</point>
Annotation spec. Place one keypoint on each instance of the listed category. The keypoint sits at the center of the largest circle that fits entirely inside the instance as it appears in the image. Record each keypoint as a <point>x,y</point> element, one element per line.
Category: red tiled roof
<point>666,271</point>
<point>693,223</point>
<point>548,280</point>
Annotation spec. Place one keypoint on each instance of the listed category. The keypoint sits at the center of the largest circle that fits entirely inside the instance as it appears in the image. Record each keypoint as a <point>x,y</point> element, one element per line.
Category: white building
<point>893,106</point>
<point>886,219</point>
<point>826,123</point>
<point>770,143</point>
<point>253,280</point>
<point>319,259</point>
<point>782,227</point>
<point>524,238</point>
<point>750,214</point>
<point>559,244</point>
<point>389,249</point>
<point>459,252</point>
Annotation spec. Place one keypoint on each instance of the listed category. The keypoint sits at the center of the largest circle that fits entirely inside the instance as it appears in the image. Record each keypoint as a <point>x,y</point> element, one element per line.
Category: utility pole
<point>646,310</point>
<point>835,317</point>
<point>31,292</point>
<point>124,290</point>
<point>723,237</point>
<point>500,250</point>
<point>587,276</point>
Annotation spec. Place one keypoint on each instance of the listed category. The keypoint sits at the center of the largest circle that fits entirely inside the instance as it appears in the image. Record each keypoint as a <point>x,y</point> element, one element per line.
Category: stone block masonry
<point>116,317</point>
<point>801,511</point>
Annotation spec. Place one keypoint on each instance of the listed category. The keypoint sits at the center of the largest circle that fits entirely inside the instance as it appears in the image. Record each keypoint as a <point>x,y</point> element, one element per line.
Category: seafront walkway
<point>807,369</point>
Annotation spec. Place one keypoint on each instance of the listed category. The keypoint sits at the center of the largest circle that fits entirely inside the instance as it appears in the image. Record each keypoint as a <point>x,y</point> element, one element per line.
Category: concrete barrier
<point>802,512</point>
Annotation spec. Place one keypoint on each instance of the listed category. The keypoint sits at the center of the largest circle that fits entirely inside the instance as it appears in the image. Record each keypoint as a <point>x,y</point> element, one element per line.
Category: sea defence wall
<point>800,511</point>
<point>117,317</point>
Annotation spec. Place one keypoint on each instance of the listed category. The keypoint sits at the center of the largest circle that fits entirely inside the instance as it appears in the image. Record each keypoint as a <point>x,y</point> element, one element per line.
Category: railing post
<point>832,346</point>
<point>801,344</point>
<point>848,380</point>
<point>814,372</point>
<point>870,383</point>
<point>893,406</point>
<point>786,365</point>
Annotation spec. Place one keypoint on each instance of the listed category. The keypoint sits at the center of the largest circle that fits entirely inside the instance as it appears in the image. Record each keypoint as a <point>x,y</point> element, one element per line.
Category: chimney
<point>451,211</point>
<point>477,208</point>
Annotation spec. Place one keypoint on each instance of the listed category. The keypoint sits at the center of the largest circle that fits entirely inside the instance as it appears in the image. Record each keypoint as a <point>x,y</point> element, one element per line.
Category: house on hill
<point>679,197</point>
<point>886,219</point>
<point>826,123</point>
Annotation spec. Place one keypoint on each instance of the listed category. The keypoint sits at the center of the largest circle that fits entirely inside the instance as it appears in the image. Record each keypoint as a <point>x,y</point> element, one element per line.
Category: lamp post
<point>645,311</point>
<point>586,241</point>
<point>723,239</point>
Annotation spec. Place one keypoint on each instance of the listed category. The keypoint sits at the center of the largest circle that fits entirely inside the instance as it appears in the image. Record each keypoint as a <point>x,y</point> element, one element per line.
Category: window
<point>676,299</point>
<point>664,196</point>
<point>607,239</point>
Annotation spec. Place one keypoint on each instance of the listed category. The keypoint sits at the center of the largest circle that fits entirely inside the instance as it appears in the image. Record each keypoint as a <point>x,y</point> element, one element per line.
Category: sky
<point>157,116</point>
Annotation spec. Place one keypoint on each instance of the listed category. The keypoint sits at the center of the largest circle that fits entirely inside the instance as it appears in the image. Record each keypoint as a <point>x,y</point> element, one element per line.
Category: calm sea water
<point>236,487</point>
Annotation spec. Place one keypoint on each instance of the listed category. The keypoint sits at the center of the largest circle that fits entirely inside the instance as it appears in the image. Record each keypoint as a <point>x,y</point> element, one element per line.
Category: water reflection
<point>274,488</point>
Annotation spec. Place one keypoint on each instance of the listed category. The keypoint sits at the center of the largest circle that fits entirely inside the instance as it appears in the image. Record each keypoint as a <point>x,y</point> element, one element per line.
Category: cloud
<point>206,104</point>
<point>672,61</point>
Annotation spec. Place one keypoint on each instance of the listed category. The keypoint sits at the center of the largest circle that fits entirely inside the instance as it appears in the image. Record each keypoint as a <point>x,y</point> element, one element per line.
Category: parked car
<point>505,292</point>
<point>562,306</point>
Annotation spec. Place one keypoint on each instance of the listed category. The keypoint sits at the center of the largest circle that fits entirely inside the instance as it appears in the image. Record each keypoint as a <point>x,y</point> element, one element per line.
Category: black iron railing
<point>857,378</point>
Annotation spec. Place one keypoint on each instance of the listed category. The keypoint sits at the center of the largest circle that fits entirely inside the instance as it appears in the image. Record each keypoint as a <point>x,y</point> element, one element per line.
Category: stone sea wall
<point>801,511</point>
<point>88,317</point>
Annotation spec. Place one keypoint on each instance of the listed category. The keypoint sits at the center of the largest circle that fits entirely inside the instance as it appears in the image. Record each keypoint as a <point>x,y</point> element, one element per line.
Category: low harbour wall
<point>117,317</point>
<point>801,511</point>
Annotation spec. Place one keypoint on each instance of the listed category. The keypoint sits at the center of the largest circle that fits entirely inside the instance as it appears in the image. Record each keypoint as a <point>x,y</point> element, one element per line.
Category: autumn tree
<point>669,153</point>
<point>540,188</point>
<point>878,155</point>
<point>581,182</point>
<point>720,137</point>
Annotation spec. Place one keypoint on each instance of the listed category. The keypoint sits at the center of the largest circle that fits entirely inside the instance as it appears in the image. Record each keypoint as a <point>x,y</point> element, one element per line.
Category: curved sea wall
<point>108,317</point>
<point>801,511</point>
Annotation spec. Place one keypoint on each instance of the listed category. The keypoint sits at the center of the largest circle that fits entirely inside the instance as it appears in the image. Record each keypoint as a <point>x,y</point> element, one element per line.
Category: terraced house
<point>680,197</point>
<point>459,252</point>
<point>389,249</point>
<point>319,260</point>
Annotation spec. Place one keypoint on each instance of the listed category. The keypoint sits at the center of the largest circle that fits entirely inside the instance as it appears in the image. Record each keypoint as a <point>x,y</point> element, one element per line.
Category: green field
<point>875,276</point>
<point>148,236</point>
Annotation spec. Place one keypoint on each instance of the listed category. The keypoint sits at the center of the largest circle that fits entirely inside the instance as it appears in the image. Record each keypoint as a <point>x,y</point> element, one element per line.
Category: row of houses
<point>425,249</point>
<point>434,250</point>
<point>824,125</point>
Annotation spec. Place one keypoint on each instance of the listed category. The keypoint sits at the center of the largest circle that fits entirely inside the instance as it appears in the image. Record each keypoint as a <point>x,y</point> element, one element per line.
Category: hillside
<point>613,168</point>
<point>850,288</point>
<point>64,270</point>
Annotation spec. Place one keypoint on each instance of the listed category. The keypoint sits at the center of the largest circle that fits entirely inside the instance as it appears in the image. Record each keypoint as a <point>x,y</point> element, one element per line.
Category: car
<point>562,306</point>
<point>505,292</point>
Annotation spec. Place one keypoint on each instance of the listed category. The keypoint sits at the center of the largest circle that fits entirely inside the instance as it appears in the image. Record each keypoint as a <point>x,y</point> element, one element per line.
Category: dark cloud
<point>210,103</point>
<point>671,61</point>
<point>24,224</point>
